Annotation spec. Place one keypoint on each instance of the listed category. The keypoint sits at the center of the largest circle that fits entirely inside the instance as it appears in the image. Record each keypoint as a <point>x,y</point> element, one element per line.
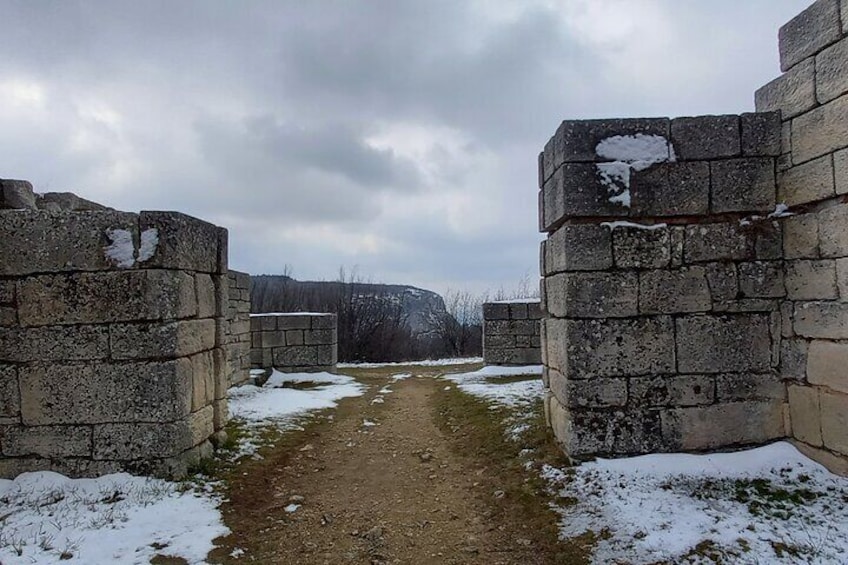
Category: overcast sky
<point>397,136</point>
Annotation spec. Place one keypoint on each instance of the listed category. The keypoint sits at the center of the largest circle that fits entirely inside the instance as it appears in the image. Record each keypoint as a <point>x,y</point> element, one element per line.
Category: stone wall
<point>111,341</point>
<point>812,96</point>
<point>294,342</point>
<point>511,333</point>
<point>238,327</point>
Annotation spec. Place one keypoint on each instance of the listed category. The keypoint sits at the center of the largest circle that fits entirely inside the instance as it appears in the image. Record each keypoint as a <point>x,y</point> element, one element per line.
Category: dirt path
<point>392,492</point>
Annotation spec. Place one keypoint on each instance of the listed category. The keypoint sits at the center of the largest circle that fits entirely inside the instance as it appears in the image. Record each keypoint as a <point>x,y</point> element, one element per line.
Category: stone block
<point>706,137</point>
<point>534,310</point>
<point>820,131</point>
<point>786,313</point>
<point>67,202</point>
<point>842,278</point>
<point>791,94</point>
<point>16,195</point>
<point>301,356</point>
<point>203,379</point>
<point>723,425</point>
<point>51,442</point>
<point>809,32</point>
<point>810,182</point>
<point>723,343</point>
<point>677,390</point>
<point>83,298</point>
<point>141,440</point>
<point>585,433</point>
<point>717,242</point>
<point>824,320</point>
<point>221,415</point>
<point>811,280</point>
<point>761,133</point>
<point>672,189</point>
<point>518,311</point>
<point>202,424</point>
<point>104,393</point>
<point>577,140</point>
<point>318,337</point>
<point>591,393</point>
<point>54,343</point>
<point>672,292</point>
<point>747,305</point>
<point>761,279</point>
<point>276,338</point>
<point>84,241</point>
<point>834,421</point>
<point>294,322</point>
<point>10,396</point>
<point>734,387</point>
<point>743,185</point>
<point>184,242</point>
<point>611,348</point>
<point>832,72</point>
<point>722,281</point>
<point>801,236</point>
<point>641,248</point>
<point>208,298</point>
<point>324,322</point>
<point>827,365</point>
<point>805,414</point>
<point>833,231</point>
<point>328,355</point>
<point>513,356</point>
<point>8,316</point>
<point>498,341</point>
<point>7,292</point>
<point>793,359</point>
<point>593,294</point>
<point>580,190</point>
<point>167,340</point>
<point>496,311</point>
<point>578,247</point>
<point>769,241</point>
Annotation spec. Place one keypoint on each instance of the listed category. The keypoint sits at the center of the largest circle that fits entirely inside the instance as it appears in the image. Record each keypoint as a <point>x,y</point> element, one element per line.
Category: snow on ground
<point>484,384</point>
<point>425,363</point>
<point>48,518</point>
<point>765,505</point>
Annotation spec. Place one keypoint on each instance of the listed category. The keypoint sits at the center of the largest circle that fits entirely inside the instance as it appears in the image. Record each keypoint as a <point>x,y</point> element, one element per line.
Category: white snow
<point>517,301</point>
<point>657,508</point>
<point>149,243</point>
<point>122,250</point>
<point>781,210</point>
<point>112,519</point>
<point>629,153</point>
<point>368,423</point>
<point>292,508</point>
<point>623,224</point>
<point>484,384</point>
<point>401,377</point>
<point>254,315</point>
<point>425,363</point>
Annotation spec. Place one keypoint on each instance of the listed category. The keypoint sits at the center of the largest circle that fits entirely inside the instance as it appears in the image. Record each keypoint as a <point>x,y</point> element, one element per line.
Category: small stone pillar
<point>511,332</point>
<point>294,342</point>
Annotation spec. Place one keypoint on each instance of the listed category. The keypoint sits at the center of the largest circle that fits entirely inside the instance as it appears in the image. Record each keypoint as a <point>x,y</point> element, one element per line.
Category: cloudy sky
<point>399,136</point>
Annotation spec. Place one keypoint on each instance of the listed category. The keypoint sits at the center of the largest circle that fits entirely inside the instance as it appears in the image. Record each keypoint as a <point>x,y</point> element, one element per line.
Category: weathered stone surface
<point>832,72</point>
<point>584,194</point>
<point>204,379</point>
<point>47,441</point>
<point>791,94</point>
<point>518,310</point>
<point>184,242</point>
<point>8,316</point>
<point>141,441</point>
<point>722,281</point>
<point>496,311</point>
<point>275,338</point>
<point>606,432</point>
<point>809,32</point>
<point>793,359</point>
<point>820,131</point>
<point>593,295</point>
<point>723,344</point>
<point>811,280</point>
<point>54,343</point>
<point>67,202</point>
<point>833,231</point>
<point>678,390</point>
<point>842,278</point>
<point>592,393</point>
<point>743,185</point>
<point>201,424</point>
<point>840,171</point>
<point>16,195</point>
<point>82,298</point>
<point>610,348</point>
<point>672,292</point>
<point>319,337</point>
<point>671,189</point>
<point>578,247</point>
<point>208,299</point>
<point>768,245</point>
<point>801,236</point>
<point>294,322</point>
<point>826,320</point>
<point>717,242</point>
<point>7,291</point>
<point>296,337</point>
<point>498,340</point>
<point>641,248</point>
<point>103,393</point>
<point>806,183</point>
<point>324,322</point>
<point>732,387</point>
<point>295,356</point>
<point>513,356</point>
<point>706,137</point>
<point>722,425</point>
<point>761,279</point>
<point>534,311</point>
<point>576,141</point>
<point>761,134</point>
<point>827,365</point>
<point>805,414</point>
<point>160,340</point>
<point>834,421</point>
<point>10,397</point>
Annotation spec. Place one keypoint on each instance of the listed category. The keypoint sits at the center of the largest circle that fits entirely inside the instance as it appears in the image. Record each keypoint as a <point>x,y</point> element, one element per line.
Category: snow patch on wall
<point>629,153</point>
<point>122,251</point>
<point>149,243</point>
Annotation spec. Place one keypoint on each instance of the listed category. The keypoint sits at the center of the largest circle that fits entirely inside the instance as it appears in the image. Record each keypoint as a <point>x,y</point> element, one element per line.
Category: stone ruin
<point>238,327</point>
<point>294,342</point>
<point>512,332</point>
<point>695,271</point>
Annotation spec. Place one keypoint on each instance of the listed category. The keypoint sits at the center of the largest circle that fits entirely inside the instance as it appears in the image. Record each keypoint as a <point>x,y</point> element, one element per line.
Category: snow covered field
<point>488,383</point>
<point>425,363</point>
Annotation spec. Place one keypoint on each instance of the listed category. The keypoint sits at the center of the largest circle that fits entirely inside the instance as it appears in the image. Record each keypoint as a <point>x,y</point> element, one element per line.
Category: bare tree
<point>460,328</point>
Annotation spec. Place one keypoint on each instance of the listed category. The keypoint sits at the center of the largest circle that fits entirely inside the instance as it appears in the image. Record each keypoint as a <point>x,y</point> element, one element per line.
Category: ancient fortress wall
<point>238,327</point>
<point>511,333</point>
<point>111,339</point>
<point>296,342</point>
<point>812,96</point>
<point>686,307</point>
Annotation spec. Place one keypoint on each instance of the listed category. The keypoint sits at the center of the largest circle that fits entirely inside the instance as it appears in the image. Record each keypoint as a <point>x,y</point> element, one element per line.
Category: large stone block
<point>184,242</point>
<point>717,242</point>
<point>706,137</point>
<point>827,364</point>
<point>733,387</point>
<point>591,432</point>
<point>54,343</point>
<point>722,425</point>
<point>724,343</point>
<point>496,311</point>
<point>324,322</point>
<point>793,359</point>
<point>805,414</point>
<point>512,356</point>
<point>761,279</point>
<point>591,393</point>
<point>141,441</point>
<point>167,340</point>
<point>319,337</point>
<point>7,291</point>
<point>302,356</point>
<point>593,295</point>
<point>743,185</point>
<point>811,280</point>
<point>518,310</point>
<point>722,281</point>
<point>67,202</point>
<point>294,322</point>
<point>296,337</point>
<point>834,421</point>
<point>581,190</point>
<point>16,195</point>
<point>83,298</point>
<point>578,247</point>
<point>104,393</point>
<point>211,301</point>
<point>820,131</point>
<point>635,247</point>
<point>842,278</point>
<point>761,134</point>
<point>610,348</point>
<point>832,72</point>
<point>825,320</point>
<point>677,390</point>
<point>809,32</point>
<point>672,292</point>
<point>577,140</point>
<point>203,379</point>
<point>791,94</point>
<point>46,441</point>
<point>10,396</point>
<point>801,236</point>
<point>806,183</point>
<point>833,231</point>
<point>671,189</point>
<point>769,240</point>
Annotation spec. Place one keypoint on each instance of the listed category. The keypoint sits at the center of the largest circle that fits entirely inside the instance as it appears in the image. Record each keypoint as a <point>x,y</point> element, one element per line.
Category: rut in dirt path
<point>382,485</point>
